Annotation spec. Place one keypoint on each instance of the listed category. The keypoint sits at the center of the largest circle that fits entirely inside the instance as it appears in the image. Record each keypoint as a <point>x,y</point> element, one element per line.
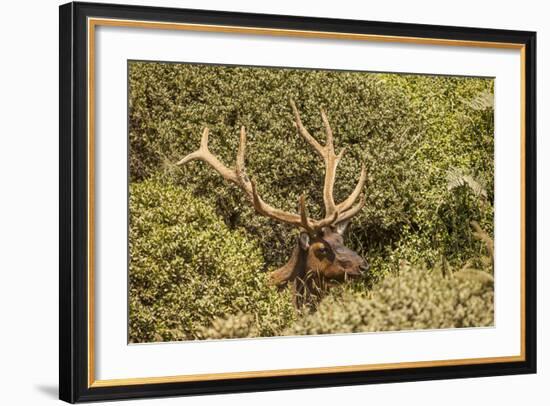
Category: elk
<point>320,255</point>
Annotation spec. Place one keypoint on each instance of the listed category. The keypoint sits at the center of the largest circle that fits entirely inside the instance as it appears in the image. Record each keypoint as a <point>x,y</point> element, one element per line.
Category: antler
<point>344,210</point>
<point>333,212</point>
<point>239,178</point>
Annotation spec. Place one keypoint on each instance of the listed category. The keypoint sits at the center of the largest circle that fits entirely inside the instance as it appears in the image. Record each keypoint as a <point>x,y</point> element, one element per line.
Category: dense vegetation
<point>199,255</point>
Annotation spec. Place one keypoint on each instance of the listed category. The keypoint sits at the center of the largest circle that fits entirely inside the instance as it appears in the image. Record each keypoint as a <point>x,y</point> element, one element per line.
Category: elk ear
<point>304,241</point>
<point>341,227</point>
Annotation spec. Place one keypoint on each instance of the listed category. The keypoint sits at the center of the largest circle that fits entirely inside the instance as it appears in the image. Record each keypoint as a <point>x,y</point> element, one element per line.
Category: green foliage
<point>465,199</point>
<point>416,299</point>
<point>233,326</point>
<point>187,268</point>
<point>426,141</point>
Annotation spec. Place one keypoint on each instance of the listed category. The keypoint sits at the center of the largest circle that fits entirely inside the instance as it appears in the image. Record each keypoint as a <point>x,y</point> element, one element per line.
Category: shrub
<point>416,299</point>
<point>457,144</point>
<point>187,268</point>
<point>234,326</point>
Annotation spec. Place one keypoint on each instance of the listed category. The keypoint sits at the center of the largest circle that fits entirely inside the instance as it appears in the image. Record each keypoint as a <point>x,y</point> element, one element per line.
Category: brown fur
<point>316,262</point>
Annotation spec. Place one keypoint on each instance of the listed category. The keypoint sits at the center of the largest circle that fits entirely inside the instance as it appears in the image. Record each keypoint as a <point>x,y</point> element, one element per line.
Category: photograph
<point>274,201</point>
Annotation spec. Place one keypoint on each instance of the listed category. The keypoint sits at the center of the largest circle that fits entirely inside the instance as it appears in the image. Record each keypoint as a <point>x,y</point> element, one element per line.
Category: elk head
<point>320,255</point>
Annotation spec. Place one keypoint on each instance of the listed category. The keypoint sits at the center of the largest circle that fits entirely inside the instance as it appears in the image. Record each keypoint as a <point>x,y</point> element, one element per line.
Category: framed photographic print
<point>257,202</point>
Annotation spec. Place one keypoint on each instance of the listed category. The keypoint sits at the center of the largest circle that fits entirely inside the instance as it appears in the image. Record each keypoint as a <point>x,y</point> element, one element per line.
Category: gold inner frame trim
<point>94,22</point>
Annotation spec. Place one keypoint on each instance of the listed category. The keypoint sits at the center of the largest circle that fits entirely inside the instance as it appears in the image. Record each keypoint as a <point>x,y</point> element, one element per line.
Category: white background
<point>28,215</point>
<point>115,359</point>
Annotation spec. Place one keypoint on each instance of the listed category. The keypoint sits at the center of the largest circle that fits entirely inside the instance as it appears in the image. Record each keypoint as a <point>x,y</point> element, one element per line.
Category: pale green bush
<point>416,299</point>
<point>234,326</point>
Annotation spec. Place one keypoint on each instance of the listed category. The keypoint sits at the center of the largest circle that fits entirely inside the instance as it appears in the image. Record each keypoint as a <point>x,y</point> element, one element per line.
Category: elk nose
<point>364,266</point>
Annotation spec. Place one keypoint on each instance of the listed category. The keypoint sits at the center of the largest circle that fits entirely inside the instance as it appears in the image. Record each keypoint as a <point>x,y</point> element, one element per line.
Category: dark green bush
<point>187,268</point>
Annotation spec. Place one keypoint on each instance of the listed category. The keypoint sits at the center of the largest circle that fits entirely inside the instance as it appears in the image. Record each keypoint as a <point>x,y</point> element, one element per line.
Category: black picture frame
<point>74,385</point>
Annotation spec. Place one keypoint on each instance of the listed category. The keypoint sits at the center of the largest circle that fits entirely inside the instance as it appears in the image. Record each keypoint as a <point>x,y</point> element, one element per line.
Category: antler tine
<point>304,215</point>
<point>353,211</point>
<point>328,220</point>
<point>198,154</point>
<point>331,162</point>
<point>341,154</point>
<point>305,133</point>
<point>204,154</point>
<point>330,138</point>
<point>313,226</point>
<point>239,168</point>
<point>266,210</point>
<point>346,204</point>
